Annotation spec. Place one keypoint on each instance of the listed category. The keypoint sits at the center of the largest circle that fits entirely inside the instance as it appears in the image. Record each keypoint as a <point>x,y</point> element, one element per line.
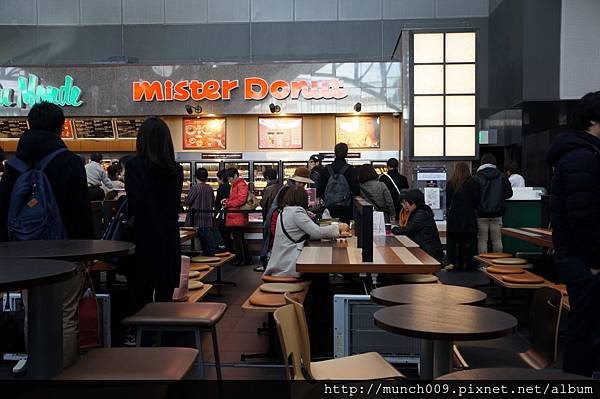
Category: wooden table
<point>427,294</point>
<point>72,250</point>
<point>439,325</point>
<point>534,235</point>
<point>490,262</point>
<point>498,279</point>
<point>44,281</point>
<point>187,233</point>
<point>217,265</point>
<point>391,254</point>
<point>510,374</point>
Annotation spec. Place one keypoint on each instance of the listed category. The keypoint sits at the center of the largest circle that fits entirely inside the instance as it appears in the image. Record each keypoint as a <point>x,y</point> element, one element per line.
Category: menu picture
<point>12,128</point>
<point>128,128</point>
<point>285,133</point>
<point>204,133</point>
<point>94,128</point>
<point>358,131</point>
<point>67,130</point>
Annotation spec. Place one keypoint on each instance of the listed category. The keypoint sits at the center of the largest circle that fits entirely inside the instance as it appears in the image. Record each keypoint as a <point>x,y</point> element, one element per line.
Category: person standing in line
<point>338,184</point>
<point>66,174</point>
<point>222,194</point>
<point>154,185</point>
<point>315,165</point>
<point>201,199</point>
<point>97,178</point>
<point>269,193</point>
<point>494,190</point>
<point>395,183</point>
<point>462,197</point>
<point>376,192</point>
<point>512,171</point>
<point>237,221</point>
<point>575,216</point>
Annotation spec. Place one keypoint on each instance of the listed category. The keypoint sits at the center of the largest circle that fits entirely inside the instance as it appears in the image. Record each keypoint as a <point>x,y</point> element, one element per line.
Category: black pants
<point>461,248</point>
<point>582,349</point>
<point>344,213</point>
<point>240,246</point>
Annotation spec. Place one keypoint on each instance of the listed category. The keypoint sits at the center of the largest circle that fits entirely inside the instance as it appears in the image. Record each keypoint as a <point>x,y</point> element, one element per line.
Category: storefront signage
<point>30,92</point>
<point>254,89</point>
<point>221,155</point>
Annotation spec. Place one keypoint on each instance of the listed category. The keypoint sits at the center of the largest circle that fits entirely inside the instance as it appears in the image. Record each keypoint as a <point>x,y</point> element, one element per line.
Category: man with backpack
<point>59,206</point>
<point>338,183</point>
<point>494,189</point>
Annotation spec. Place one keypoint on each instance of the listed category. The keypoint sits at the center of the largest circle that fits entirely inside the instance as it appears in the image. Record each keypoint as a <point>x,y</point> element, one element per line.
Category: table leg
<point>45,331</point>
<point>442,357</point>
<point>219,280</point>
<point>426,362</point>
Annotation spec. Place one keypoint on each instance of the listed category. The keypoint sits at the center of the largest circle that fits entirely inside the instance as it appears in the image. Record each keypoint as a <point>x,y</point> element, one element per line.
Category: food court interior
<point>264,84</point>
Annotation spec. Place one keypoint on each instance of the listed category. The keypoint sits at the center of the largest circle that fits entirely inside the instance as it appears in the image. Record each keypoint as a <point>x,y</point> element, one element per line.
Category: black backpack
<point>337,191</point>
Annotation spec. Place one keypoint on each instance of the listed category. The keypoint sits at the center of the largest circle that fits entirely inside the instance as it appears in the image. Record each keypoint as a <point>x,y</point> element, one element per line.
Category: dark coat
<point>421,228</point>
<point>67,177</point>
<point>401,183</point>
<point>462,208</point>
<point>154,203</point>
<point>494,189</point>
<point>343,212</point>
<point>222,193</point>
<point>575,189</point>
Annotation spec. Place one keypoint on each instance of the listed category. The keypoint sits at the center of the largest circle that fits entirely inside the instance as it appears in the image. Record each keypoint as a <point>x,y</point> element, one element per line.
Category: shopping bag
<point>181,293</point>
<point>89,320</point>
<point>378,223</point>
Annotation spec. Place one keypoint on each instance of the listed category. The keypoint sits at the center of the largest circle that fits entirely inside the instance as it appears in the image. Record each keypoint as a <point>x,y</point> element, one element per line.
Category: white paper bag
<point>378,223</point>
<point>180,293</point>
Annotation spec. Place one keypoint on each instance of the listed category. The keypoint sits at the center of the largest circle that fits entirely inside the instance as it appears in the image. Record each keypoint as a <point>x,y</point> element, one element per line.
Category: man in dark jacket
<point>67,177</point>
<point>494,189</point>
<point>395,182</point>
<point>421,227</point>
<point>344,213</point>
<point>575,211</point>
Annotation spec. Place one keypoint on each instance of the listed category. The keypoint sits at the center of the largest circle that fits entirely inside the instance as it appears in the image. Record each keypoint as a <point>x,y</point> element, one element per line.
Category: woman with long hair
<point>154,183</point>
<point>462,197</point>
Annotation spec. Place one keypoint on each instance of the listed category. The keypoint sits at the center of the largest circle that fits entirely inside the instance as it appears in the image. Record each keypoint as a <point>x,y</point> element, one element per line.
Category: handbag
<point>251,203</point>
<point>89,321</point>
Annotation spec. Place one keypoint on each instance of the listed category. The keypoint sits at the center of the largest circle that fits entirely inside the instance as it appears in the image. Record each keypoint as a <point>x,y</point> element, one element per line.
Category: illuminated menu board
<point>12,128</point>
<point>128,128</point>
<point>204,133</point>
<point>67,130</point>
<point>284,133</point>
<point>94,128</point>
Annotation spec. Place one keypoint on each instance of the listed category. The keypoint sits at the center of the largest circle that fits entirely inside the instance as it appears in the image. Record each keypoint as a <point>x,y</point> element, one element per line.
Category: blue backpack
<point>33,213</point>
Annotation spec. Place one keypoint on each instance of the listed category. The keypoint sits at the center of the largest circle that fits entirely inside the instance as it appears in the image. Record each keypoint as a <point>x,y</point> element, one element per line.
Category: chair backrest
<point>290,336</point>
<point>303,325</point>
<point>544,319</point>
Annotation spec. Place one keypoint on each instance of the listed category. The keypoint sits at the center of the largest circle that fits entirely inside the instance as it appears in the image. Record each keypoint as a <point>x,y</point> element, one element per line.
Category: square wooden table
<point>534,235</point>
<point>391,254</point>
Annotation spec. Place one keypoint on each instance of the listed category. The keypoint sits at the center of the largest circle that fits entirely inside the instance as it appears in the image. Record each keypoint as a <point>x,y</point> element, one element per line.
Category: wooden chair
<point>544,319</point>
<point>295,344</point>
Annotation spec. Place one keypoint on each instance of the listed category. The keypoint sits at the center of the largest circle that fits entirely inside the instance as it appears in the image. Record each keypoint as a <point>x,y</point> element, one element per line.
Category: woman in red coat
<point>236,221</point>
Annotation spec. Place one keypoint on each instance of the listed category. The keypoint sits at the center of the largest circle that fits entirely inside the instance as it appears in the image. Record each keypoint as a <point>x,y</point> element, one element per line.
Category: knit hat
<point>302,175</point>
<point>415,196</point>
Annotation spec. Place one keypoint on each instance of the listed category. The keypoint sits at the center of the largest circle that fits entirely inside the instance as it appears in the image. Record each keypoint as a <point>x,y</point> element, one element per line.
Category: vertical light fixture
<point>444,95</point>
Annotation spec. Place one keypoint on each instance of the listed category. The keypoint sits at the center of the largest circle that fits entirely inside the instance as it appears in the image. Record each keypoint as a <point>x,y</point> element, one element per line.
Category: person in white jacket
<point>294,227</point>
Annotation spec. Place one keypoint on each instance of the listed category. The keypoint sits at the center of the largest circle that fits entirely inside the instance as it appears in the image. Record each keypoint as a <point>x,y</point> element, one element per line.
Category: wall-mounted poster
<point>67,130</point>
<point>128,128</point>
<point>204,133</point>
<point>94,128</point>
<point>285,133</point>
<point>12,128</point>
<point>358,131</point>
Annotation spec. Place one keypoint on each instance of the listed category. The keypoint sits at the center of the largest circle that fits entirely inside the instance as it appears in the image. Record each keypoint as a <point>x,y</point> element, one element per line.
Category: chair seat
<point>417,278</point>
<point>510,261</point>
<point>177,314</point>
<point>495,255</point>
<point>273,279</point>
<point>522,279</point>
<point>132,364</point>
<point>101,266</point>
<point>505,270</point>
<point>366,366</point>
<point>486,356</point>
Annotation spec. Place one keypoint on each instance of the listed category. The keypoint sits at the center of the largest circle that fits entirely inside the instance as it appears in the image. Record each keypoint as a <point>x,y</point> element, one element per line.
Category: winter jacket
<point>237,197</point>
<point>575,189</point>
<point>268,196</point>
<point>315,175</point>
<point>389,179</point>
<point>462,208</point>
<point>342,212</point>
<point>66,175</point>
<point>378,194</point>
<point>494,189</point>
<point>285,252</point>
<point>421,228</point>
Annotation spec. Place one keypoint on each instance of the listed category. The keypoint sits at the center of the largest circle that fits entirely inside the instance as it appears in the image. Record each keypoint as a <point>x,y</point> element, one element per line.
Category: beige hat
<point>301,175</point>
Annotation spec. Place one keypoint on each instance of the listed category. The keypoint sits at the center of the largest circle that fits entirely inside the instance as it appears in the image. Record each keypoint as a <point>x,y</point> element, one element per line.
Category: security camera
<point>274,108</point>
<point>397,114</point>
<point>188,109</point>
<point>357,107</point>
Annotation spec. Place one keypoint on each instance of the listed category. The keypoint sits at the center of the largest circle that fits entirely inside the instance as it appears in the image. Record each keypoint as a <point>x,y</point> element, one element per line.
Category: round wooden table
<point>74,250</point>
<point>427,294</point>
<point>44,281</point>
<point>438,325</point>
<point>509,374</point>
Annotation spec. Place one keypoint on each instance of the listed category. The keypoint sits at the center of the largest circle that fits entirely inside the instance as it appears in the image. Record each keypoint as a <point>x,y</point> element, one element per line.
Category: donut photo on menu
<point>204,133</point>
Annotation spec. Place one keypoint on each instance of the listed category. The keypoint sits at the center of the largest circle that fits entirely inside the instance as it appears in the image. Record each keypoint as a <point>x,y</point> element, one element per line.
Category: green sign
<point>30,92</point>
